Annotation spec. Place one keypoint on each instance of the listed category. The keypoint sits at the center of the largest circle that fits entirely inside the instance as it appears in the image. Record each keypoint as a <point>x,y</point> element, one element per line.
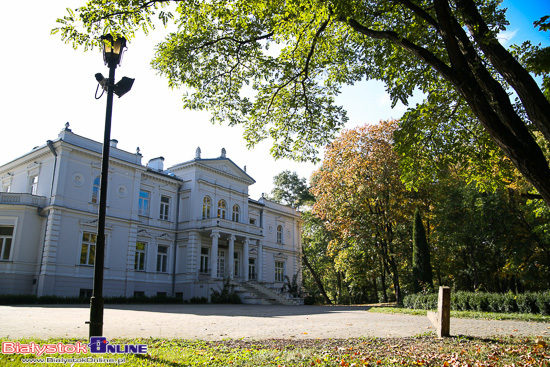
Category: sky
<point>46,83</point>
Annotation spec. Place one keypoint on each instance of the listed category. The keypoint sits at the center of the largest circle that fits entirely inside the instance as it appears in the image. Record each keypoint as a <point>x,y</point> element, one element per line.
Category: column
<point>231,256</point>
<point>214,255</point>
<point>245,259</point>
<point>260,261</point>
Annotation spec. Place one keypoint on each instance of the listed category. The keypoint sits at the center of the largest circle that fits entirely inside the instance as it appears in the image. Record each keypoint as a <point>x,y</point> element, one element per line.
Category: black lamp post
<point>112,54</point>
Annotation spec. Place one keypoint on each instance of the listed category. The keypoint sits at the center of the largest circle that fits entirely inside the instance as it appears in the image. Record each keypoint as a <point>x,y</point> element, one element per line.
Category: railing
<point>23,199</point>
<point>226,224</point>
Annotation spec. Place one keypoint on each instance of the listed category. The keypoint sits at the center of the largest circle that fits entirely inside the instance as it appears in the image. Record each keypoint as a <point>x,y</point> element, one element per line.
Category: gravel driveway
<point>215,322</point>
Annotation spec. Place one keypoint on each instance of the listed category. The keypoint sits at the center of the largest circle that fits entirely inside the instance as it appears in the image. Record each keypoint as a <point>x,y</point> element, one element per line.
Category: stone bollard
<point>442,319</point>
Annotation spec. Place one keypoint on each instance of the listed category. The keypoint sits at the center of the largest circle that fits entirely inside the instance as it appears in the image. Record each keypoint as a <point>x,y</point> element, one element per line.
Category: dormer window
<point>206,206</point>
<point>221,209</point>
<point>236,212</point>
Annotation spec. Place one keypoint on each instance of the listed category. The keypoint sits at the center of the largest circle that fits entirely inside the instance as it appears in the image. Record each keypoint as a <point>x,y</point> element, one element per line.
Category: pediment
<point>227,167</point>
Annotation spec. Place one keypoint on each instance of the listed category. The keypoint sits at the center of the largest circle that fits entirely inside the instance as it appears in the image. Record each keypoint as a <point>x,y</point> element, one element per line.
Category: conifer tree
<point>422,269</point>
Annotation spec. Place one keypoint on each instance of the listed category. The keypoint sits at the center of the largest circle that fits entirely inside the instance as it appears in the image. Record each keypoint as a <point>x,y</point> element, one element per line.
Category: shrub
<point>530,302</point>
<point>226,295</point>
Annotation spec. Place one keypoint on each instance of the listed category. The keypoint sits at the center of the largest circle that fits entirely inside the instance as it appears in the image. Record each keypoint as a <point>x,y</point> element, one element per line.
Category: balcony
<point>14,198</point>
<point>225,224</point>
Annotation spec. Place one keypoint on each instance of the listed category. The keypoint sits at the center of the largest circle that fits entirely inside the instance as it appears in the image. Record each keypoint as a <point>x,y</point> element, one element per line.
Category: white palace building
<point>176,232</point>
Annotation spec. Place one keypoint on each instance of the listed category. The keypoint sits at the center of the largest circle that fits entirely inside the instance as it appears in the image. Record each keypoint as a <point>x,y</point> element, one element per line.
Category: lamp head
<point>113,49</point>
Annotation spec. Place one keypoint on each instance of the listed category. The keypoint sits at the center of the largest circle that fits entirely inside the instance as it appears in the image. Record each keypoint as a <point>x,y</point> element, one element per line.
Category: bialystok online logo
<point>98,344</point>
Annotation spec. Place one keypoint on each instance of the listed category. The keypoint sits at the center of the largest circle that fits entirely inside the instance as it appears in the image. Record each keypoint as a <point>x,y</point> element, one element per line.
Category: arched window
<point>280,234</point>
<point>95,191</point>
<point>221,209</point>
<point>206,205</point>
<point>236,212</point>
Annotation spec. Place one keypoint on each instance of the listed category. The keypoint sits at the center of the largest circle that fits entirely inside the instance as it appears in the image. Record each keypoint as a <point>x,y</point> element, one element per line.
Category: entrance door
<point>221,263</point>
<point>236,265</point>
<point>251,268</point>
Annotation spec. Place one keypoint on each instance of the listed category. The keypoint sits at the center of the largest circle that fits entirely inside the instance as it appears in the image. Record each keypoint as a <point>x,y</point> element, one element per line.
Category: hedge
<point>530,302</point>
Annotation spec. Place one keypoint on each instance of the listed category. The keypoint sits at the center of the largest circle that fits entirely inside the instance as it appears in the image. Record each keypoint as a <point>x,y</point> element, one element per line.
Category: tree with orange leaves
<point>360,197</point>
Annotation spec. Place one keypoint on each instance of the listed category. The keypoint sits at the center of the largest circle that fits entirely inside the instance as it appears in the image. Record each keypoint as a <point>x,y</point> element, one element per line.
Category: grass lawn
<point>468,314</point>
<point>417,351</point>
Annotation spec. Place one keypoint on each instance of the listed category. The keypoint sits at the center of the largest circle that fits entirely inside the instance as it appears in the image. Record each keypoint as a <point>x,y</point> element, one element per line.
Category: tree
<point>276,66</point>
<point>290,189</point>
<point>362,200</point>
<point>422,268</point>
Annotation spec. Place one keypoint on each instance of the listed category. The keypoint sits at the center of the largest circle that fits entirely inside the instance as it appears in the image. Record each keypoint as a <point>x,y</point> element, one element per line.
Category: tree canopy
<point>276,66</point>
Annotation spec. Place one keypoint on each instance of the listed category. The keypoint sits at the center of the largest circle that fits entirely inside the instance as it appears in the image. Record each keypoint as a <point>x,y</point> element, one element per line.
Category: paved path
<point>215,322</point>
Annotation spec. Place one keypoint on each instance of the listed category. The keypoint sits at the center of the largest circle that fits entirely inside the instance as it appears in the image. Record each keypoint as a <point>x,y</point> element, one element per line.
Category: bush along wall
<point>529,302</point>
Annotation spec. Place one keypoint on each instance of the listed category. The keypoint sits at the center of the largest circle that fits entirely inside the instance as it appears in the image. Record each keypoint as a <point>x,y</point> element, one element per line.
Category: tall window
<point>206,206</point>
<point>144,197</point>
<point>279,234</point>
<point>95,190</point>
<point>162,259</point>
<point>6,237</point>
<point>221,209</point>
<point>279,271</point>
<point>139,260</point>
<point>236,212</point>
<point>164,207</point>
<point>33,184</point>
<point>204,260</point>
<point>87,248</point>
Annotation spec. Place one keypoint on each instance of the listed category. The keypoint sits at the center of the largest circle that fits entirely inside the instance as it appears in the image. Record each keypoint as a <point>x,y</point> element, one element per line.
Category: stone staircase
<point>255,293</point>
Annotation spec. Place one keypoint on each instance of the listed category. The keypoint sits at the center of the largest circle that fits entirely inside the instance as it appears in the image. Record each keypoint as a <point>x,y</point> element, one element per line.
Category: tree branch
<point>418,51</point>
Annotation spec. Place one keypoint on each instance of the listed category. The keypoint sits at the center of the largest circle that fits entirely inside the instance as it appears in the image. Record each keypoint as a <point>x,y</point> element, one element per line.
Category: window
<point>253,221</point>
<point>95,190</point>
<point>251,268</point>
<point>206,205</point>
<point>87,249</point>
<point>279,271</point>
<point>279,234</point>
<point>236,264</point>
<point>204,260</point>
<point>162,259</point>
<point>85,293</point>
<point>139,260</point>
<point>164,207</point>
<point>144,202</point>
<point>161,294</point>
<point>236,211</point>
<point>139,294</point>
<point>6,237</point>
<point>179,295</point>
<point>33,184</point>
<point>221,209</point>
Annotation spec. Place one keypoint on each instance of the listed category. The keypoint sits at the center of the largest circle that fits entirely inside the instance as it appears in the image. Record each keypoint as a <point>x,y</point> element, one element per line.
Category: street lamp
<point>112,55</point>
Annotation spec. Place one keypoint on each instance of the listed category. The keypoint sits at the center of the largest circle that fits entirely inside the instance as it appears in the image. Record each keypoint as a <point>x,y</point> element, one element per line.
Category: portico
<point>230,254</point>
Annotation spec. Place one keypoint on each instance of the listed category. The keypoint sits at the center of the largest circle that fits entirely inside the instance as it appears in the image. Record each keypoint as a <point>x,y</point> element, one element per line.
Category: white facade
<point>176,232</point>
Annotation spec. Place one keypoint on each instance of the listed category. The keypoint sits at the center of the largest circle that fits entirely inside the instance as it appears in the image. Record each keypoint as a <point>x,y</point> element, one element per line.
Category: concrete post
<point>231,260</point>
<point>444,311</point>
<point>442,319</point>
<point>214,255</point>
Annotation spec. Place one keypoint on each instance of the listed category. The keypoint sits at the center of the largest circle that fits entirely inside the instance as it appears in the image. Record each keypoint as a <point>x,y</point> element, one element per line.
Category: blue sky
<point>46,83</point>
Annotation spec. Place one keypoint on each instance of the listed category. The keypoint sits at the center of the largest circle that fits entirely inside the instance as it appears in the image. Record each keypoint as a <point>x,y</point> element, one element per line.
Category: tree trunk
<point>383,280</point>
<point>375,288</point>
<point>317,279</point>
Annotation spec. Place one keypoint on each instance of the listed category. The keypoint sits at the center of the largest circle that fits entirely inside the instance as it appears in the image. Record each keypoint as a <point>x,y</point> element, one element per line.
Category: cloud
<point>506,37</point>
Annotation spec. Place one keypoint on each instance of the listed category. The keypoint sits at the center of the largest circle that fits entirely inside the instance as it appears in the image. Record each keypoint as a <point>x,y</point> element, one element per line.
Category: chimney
<point>156,164</point>
<point>113,143</point>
